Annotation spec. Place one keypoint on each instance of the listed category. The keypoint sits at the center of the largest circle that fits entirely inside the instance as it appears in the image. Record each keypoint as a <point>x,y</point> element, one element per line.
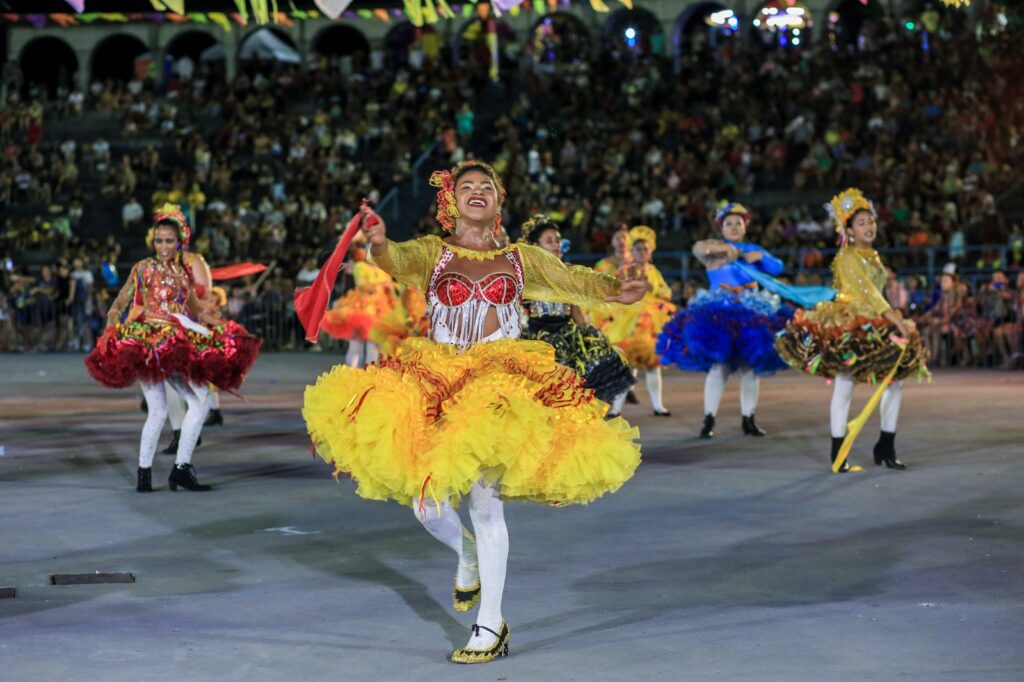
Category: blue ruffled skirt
<point>725,328</point>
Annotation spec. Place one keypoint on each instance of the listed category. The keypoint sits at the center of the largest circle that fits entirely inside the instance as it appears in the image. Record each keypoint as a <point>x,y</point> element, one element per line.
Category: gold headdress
<point>842,207</point>
<point>645,233</point>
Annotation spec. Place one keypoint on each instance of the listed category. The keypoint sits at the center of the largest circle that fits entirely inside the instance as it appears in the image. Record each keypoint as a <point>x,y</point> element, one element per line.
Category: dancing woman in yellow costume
<point>858,337</point>
<point>635,329</point>
<point>473,411</point>
<point>364,306</point>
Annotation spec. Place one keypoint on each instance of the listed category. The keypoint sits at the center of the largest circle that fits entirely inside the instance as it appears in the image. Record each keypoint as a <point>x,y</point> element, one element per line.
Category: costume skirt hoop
<point>722,327</point>
<point>587,352</point>
<point>430,422</point>
<point>860,346</point>
<point>154,351</point>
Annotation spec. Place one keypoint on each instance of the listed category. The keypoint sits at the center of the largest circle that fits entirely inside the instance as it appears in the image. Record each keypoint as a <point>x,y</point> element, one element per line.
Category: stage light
<point>796,41</point>
<point>910,26</point>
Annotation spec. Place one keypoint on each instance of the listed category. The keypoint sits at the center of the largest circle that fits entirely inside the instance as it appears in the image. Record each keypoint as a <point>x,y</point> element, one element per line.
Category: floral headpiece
<point>728,208</point>
<point>447,211</point>
<point>539,220</point>
<point>842,207</point>
<point>172,213</point>
<point>645,233</point>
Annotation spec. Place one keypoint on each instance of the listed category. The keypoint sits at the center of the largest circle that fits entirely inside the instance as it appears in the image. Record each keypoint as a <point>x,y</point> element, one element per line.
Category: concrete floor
<point>735,559</point>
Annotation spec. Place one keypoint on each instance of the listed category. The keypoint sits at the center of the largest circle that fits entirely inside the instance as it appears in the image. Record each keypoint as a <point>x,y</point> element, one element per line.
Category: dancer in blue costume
<point>731,326</point>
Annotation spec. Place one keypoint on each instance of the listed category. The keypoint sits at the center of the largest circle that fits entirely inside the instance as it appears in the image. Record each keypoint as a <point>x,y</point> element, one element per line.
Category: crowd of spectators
<point>271,165</point>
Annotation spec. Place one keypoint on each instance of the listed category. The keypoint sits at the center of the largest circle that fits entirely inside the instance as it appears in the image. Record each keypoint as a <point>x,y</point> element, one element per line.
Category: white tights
<point>618,403</point>
<point>197,398</point>
<point>714,386</point>
<point>487,513</point>
<point>176,406</point>
<point>842,396</point>
<point>361,353</point>
<point>654,388</point>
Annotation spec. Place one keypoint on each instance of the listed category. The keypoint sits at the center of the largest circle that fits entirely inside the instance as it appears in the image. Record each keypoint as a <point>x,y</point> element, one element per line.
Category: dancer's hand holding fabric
<point>374,229</point>
<point>634,286</point>
<point>715,253</point>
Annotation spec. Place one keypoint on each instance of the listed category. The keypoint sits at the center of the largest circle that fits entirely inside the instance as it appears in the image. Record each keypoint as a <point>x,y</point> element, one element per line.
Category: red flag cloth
<point>311,302</point>
<point>237,270</point>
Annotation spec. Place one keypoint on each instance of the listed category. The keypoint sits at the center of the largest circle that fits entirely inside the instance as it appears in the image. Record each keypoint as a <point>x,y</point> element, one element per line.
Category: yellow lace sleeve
<point>661,288</point>
<point>549,279</point>
<point>410,262</point>
<point>853,280</point>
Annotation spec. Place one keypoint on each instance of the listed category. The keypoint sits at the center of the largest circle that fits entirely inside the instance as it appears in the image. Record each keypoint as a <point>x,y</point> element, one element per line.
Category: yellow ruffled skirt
<point>634,330</point>
<point>430,422</point>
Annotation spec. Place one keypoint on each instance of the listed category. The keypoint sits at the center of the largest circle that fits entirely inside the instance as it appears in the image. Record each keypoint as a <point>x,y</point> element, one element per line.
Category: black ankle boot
<point>708,430</point>
<point>885,451</point>
<point>145,484</point>
<point>750,427</point>
<point>185,476</point>
<point>215,418</point>
<point>837,443</point>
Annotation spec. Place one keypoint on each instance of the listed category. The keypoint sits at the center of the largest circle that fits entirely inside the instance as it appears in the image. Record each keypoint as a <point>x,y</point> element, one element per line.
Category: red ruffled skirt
<point>154,351</point>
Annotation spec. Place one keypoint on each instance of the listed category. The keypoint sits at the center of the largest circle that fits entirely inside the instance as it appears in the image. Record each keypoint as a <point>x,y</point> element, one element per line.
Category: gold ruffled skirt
<point>844,338</point>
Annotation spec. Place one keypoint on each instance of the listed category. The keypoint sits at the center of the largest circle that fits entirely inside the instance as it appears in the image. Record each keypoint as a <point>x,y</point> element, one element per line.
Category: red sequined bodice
<point>454,289</point>
<point>161,288</point>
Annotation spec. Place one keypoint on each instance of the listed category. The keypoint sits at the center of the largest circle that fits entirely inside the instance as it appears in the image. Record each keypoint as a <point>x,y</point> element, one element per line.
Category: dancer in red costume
<point>162,341</point>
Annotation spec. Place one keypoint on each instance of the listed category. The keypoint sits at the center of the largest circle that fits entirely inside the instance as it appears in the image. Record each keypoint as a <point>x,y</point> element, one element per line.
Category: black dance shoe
<point>215,418</point>
<point>145,484</point>
<point>185,476</point>
<point>466,598</point>
<point>885,451</point>
<point>846,468</point>
<point>662,413</point>
<point>750,427</point>
<point>500,648</point>
<point>708,430</point>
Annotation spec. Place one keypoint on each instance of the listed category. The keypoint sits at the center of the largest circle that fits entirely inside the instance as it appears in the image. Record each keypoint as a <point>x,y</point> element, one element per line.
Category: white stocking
<point>890,408</point>
<point>447,527</point>
<point>156,400</point>
<point>750,387</point>
<point>654,388</point>
<point>175,407</point>
<point>354,354</point>
<point>487,512</point>
<point>618,403</point>
<point>198,399</point>
<point>842,396</point>
<point>714,386</point>
<point>372,353</point>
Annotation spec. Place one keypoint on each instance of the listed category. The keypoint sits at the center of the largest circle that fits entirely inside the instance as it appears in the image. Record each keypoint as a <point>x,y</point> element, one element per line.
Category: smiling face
<point>734,227</point>
<point>476,197</point>
<point>641,252</point>
<point>165,242</point>
<point>862,228</point>
<point>550,240</point>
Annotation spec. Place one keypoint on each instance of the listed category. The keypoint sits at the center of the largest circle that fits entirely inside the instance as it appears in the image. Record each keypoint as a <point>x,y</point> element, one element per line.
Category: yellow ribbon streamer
<point>854,427</point>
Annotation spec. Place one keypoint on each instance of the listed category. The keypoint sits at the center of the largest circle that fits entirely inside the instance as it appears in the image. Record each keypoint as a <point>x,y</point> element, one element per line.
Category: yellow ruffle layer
<point>634,330</point>
<point>431,421</point>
